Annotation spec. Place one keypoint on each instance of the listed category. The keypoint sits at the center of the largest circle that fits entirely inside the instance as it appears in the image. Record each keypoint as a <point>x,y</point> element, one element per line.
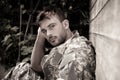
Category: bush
<point>14,49</point>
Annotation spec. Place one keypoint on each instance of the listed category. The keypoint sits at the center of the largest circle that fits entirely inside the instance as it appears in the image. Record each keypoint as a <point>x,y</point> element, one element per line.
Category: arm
<point>79,63</point>
<point>38,52</point>
<point>83,67</point>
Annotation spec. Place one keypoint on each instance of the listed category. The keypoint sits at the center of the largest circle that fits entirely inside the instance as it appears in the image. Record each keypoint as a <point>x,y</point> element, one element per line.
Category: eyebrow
<point>51,24</point>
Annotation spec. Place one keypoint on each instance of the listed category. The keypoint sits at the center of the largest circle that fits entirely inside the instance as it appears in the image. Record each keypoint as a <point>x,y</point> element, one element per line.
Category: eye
<point>44,31</point>
<point>51,26</point>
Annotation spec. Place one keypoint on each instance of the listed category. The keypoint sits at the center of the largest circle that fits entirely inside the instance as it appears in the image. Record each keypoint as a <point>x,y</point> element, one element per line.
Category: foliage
<point>11,45</point>
<point>17,41</point>
<point>27,46</point>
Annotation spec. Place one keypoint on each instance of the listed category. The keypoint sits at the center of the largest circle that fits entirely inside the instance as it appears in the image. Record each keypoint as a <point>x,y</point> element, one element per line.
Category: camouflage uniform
<point>22,72</point>
<point>72,60</point>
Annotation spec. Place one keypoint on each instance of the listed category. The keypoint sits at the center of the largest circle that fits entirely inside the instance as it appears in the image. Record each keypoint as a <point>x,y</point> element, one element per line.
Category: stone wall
<point>105,36</point>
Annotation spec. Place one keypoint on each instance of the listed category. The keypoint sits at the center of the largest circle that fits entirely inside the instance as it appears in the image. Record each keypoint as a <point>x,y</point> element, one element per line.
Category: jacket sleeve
<point>80,62</point>
<point>83,66</point>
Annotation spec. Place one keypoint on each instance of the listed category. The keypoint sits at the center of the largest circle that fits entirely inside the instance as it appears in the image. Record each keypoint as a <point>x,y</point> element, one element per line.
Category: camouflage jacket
<point>72,60</point>
<point>22,71</point>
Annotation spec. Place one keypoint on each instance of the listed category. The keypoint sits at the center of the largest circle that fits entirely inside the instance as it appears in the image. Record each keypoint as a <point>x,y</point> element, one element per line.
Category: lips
<point>52,39</point>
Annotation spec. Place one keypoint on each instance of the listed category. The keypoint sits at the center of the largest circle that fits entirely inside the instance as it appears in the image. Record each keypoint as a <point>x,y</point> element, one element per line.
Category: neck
<point>69,35</point>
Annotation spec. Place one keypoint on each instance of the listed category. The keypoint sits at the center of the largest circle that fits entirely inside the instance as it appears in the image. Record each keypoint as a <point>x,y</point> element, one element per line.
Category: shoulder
<point>80,47</point>
<point>79,42</point>
<point>47,56</point>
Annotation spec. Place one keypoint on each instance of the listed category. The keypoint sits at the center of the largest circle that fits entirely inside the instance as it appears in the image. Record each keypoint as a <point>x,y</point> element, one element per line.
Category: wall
<point>105,36</point>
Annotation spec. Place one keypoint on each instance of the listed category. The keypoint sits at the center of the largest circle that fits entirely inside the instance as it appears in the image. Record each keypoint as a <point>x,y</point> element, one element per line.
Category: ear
<point>66,24</point>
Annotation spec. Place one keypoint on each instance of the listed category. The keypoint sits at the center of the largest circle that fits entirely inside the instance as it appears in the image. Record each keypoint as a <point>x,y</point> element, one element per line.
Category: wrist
<point>40,40</point>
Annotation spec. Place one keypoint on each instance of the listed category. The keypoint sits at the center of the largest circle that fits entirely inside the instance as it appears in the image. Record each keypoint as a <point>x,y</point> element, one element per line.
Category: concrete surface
<point>105,36</point>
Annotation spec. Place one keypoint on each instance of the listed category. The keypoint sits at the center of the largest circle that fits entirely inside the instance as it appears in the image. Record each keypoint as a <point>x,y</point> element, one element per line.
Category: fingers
<point>40,35</point>
<point>39,30</point>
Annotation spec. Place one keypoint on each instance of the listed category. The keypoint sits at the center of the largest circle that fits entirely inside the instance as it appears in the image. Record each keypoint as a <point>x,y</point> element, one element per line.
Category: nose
<point>48,33</point>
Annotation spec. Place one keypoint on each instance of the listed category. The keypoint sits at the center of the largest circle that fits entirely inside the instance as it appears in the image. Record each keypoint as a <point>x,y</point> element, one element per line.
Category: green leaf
<point>15,28</point>
<point>8,46</point>
<point>19,34</point>
<point>22,6</point>
<point>31,37</point>
<point>22,42</point>
<point>24,47</point>
<point>26,59</point>
<point>6,38</point>
<point>8,27</point>
<point>26,50</point>
<point>24,11</point>
<point>7,42</point>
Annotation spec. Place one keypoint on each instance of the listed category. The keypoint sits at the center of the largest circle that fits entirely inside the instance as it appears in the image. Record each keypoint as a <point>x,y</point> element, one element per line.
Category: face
<point>54,30</point>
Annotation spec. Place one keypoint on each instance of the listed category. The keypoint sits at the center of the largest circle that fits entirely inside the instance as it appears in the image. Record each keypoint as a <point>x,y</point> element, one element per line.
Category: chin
<point>55,44</point>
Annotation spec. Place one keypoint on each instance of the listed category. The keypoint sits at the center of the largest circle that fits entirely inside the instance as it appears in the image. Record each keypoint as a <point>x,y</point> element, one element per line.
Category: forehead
<point>47,21</point>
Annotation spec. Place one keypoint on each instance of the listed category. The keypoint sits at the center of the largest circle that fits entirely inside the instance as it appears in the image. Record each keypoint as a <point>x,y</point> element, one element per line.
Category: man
<point>72,57</point>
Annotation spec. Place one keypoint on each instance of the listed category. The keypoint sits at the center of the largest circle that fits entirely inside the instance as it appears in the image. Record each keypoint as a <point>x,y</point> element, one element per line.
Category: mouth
<point>52,40</point>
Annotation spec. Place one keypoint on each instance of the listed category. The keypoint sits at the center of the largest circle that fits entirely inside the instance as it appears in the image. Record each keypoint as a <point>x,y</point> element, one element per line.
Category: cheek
<point>62,36</point>
<point>59,31</point>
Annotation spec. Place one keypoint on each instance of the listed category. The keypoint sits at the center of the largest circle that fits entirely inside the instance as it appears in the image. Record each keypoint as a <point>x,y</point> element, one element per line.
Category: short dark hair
<point>48,11</point>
